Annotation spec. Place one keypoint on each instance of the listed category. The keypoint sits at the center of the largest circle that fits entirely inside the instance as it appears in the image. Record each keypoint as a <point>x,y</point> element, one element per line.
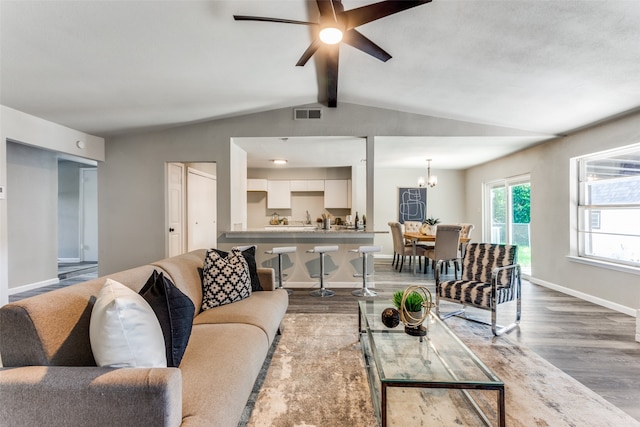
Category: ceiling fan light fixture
<point>279,161</point>
<point>331,34</point>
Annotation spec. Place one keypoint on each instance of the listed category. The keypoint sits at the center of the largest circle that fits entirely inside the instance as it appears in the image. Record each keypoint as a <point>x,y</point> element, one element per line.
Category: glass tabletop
<point>438,358</point>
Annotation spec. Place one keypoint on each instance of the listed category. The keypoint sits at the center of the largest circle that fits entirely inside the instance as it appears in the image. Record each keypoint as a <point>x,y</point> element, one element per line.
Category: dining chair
<point>446,248</point>
<point>490,276</point>
<point>401,248</point>
<point>465,233</point>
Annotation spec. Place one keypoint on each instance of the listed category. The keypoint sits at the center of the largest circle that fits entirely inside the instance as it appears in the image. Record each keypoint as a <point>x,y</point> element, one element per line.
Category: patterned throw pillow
<point>249,255</point>
<point>225,279</point>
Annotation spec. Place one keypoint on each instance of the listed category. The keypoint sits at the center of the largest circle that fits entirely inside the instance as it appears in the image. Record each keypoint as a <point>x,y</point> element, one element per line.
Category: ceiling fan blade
<point>332,75</point>
<point>265,19</point>
<point>315,44</point>
<point>354,38</point>
<point>327,7</point>
<point>364,14</point>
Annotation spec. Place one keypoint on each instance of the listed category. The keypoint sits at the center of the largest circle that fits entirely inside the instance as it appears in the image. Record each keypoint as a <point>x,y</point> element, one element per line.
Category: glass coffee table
<point>436,375</point>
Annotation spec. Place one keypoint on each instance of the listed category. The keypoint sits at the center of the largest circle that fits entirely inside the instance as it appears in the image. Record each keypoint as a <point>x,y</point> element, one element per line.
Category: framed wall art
<point>412,204</point>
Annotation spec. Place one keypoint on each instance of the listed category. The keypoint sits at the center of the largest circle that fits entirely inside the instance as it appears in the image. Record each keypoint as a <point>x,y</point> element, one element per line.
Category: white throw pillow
<point>124,331</point>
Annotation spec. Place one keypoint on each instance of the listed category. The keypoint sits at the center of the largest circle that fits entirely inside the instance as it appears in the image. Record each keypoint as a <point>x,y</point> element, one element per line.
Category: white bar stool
<point>365,251</point>
<point>322,292</point>
<point>280,251</point>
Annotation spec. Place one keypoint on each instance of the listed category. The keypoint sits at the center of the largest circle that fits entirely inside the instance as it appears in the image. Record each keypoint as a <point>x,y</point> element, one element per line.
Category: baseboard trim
<point>68,260</point>
<point>328,285</point>
<point>32,286</point>
<point>583,296</point>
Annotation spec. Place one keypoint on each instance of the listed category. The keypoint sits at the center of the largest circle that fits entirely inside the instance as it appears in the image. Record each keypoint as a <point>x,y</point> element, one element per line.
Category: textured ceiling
<point>109,67</point>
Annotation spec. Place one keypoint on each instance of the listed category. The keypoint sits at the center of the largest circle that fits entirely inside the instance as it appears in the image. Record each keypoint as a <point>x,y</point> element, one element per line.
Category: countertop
<point>302,232</point>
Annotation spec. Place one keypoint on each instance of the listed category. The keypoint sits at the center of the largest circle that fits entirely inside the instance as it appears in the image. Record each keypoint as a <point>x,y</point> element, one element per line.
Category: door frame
<point>182,197</point>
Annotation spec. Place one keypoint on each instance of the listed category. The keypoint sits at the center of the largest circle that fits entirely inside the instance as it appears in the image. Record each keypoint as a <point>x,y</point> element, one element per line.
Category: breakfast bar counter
<point>302,268</point>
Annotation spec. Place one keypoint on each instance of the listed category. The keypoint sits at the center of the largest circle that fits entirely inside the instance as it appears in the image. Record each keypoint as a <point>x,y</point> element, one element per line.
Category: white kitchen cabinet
<point>307,185</point>
<point>278,194</point>
<point>315,185</point>
<point>336,193</point>
<point>256,185</point>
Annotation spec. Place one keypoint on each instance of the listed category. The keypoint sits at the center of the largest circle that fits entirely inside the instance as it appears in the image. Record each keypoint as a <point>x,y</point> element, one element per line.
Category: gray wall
<point>132,186</point>
<point>552,218</point>
<point>32,214</point>
<point>131,180</point>
<point>36,132</point>
<point>445,201</point>
<point>68,209</point>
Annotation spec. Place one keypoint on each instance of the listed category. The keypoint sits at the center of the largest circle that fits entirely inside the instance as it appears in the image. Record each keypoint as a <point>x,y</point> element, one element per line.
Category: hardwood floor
<point>593,344</point>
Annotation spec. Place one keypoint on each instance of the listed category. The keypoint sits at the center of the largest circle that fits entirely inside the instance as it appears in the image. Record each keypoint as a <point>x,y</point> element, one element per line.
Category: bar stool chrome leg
<point>281,251</point>
<point>322,292</point>
<point>365,291</point>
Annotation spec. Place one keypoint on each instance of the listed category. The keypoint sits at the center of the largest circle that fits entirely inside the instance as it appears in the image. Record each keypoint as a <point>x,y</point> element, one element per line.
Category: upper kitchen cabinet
<point>256,184</point>
<point>337,194</point>
<point>278,194</point>
<point>307,185</point>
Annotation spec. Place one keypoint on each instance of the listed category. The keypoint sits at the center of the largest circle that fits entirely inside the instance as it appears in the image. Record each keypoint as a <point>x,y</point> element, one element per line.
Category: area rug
<point>316,377</point>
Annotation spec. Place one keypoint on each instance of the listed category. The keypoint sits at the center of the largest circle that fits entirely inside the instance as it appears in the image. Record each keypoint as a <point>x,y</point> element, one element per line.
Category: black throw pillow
<point>174,311</point>
<point>249,255</point>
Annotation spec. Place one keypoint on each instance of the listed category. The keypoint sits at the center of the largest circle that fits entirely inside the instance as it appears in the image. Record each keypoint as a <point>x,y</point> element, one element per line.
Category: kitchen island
<point>302,268</point>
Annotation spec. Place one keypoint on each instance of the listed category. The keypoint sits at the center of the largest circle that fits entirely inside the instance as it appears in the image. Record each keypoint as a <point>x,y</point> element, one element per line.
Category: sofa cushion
<point>174,311</point>
<point>226,280</point>
<point>249,255</point>
<point>124,331</point>
<point>262,309</point>
<point>219,370</point>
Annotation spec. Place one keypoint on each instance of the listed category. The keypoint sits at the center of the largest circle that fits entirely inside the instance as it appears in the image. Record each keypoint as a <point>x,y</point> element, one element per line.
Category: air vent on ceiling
<point>307,113</point>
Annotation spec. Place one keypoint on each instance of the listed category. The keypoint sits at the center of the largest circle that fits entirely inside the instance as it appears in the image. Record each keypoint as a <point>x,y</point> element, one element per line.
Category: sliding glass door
<point>509,215</point>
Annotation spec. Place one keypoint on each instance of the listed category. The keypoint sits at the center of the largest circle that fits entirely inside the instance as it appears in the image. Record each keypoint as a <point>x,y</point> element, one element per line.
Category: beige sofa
<point>50,376</point>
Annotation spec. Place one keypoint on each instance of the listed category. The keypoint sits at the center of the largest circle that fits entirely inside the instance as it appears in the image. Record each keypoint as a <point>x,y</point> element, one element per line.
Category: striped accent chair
<point>490,276</point>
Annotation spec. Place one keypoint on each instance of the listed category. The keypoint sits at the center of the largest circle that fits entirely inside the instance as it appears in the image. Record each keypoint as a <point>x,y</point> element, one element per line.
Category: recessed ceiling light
<point>279,161</point>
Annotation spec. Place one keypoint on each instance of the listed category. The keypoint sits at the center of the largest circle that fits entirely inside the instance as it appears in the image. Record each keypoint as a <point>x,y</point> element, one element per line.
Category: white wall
<point>27,129</point>
<point>552,217</point>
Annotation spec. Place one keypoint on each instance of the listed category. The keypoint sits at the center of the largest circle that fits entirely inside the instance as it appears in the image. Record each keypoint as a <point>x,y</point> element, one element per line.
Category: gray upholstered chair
<point>401,249</point>
<point>490,276</point>
<point>447,247</point>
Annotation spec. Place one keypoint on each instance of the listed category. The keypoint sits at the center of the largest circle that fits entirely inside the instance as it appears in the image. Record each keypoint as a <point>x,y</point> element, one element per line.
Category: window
<point>609,206</point>
<point>509,216</point>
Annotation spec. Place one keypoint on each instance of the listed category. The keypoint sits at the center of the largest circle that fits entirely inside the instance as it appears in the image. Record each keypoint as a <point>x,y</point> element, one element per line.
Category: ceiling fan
<point>340,23</point>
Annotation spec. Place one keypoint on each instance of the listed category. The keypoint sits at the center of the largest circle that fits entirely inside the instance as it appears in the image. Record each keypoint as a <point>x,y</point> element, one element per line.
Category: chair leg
<point>401,263</point>
<point>499,330</point>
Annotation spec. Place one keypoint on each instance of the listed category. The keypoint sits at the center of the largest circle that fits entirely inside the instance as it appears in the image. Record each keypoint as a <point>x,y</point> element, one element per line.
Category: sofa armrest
<point>82,396</point>
<point>267,278</point>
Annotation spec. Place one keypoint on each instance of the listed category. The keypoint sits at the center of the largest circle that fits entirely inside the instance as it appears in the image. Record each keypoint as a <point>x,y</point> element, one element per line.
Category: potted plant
<point>412,304</point>
<point>429,226</point>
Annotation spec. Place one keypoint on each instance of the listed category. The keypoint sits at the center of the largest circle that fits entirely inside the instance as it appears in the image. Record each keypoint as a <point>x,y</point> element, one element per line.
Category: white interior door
<point>175,209</point>
<point>89,214</point>
<point>201,210</point>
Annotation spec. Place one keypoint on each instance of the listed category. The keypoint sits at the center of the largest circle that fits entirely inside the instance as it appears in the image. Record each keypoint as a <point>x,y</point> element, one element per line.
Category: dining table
<point>416,237</point>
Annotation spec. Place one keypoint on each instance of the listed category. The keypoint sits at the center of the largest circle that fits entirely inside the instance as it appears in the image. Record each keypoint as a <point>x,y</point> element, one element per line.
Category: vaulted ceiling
<point>109,67</point>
